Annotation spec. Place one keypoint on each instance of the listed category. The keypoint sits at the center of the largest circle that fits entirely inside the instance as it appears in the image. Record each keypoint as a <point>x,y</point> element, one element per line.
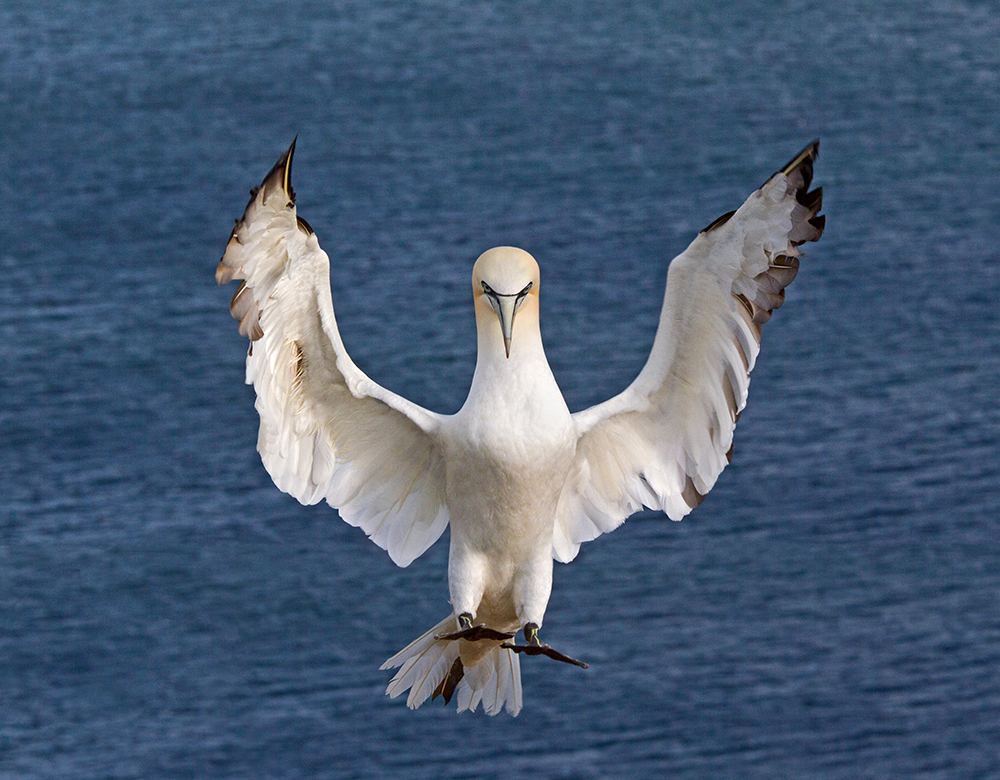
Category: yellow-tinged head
<point>505,282</point>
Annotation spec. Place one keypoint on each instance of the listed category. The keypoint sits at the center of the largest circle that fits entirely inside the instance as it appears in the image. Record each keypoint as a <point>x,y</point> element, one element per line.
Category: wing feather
<point>327,431</point>
<point>664,440</point>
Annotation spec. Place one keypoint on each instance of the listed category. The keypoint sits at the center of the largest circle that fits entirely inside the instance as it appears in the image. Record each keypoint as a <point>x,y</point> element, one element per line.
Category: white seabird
<point>520,479</point>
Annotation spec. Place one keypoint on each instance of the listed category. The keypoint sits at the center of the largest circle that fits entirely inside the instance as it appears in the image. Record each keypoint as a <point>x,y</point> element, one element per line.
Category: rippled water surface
<point>830,611</point>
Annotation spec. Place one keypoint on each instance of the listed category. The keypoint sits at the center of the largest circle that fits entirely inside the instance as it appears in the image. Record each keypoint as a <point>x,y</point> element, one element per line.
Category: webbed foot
<point>471,633</point>
<point>535,647</point>
<point>450,682</point>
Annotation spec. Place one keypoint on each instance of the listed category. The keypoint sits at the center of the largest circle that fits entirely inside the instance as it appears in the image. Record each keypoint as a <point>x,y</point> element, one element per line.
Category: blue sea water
<point>830,611</point>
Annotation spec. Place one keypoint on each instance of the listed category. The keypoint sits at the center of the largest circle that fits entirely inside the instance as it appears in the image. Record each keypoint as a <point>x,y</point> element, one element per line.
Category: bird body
<point>509,450</point>
<point>520,479</point>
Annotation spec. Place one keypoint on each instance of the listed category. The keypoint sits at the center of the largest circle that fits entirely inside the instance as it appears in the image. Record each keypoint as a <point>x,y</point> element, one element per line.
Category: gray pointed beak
<point>505,311</point>
<point>506,307</point>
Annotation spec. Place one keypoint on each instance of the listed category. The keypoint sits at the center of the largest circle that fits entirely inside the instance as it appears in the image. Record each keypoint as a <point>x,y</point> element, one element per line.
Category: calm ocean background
<point>832,610</point>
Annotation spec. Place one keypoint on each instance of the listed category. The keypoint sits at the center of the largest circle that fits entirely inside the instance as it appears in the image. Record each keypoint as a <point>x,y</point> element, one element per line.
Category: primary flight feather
<point>521,480</point>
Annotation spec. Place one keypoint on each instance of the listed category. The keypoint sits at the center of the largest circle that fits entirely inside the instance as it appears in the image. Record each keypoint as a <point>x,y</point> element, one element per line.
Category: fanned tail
<point>432,667</point>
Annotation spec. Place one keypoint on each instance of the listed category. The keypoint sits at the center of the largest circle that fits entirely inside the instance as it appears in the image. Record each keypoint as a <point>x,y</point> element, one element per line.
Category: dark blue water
<point>830,611</point>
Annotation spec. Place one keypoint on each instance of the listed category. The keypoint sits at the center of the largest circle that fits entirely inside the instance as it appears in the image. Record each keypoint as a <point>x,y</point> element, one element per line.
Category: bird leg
<point>472,633</point>
<point>534,646</point>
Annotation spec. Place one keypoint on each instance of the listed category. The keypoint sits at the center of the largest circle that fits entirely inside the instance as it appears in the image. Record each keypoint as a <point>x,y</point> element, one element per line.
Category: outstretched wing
<point>665,439</point>
<point>326,429</point>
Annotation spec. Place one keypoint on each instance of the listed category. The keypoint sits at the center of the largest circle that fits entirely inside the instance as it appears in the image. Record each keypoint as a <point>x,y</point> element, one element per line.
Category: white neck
<point>522,382</point>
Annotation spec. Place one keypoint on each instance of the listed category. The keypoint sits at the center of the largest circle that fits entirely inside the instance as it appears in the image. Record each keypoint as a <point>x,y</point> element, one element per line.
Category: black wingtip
<point>280,174</point>
<point>811,200</point>
<point>286,170</point>
<point>286,181</point>
<point>802,163</point>
<point>810,153</point>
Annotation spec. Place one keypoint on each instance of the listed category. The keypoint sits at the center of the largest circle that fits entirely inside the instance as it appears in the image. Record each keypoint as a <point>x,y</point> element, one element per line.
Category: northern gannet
<point>521,480</point>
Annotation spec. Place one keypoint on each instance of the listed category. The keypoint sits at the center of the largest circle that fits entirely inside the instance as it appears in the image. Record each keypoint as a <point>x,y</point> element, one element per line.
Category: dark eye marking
<point>490,291</point>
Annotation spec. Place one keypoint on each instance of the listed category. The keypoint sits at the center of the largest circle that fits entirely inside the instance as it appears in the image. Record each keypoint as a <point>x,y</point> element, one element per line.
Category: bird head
<point>504,281</point>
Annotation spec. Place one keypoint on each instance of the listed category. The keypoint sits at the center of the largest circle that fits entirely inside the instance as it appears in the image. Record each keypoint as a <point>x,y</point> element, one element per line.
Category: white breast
<point>509,452</point>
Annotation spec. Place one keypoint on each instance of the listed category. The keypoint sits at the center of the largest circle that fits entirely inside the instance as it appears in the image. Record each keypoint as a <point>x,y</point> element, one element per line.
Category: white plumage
<point>519,478</point>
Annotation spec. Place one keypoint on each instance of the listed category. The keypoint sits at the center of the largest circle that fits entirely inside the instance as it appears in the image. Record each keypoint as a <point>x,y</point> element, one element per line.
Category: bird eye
<point>487,289</point>
<point>525,290</point>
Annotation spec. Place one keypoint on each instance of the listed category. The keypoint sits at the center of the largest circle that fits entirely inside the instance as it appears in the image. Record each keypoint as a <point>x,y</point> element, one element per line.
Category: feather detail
<point>664,440</point>
<point>327,431</point>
